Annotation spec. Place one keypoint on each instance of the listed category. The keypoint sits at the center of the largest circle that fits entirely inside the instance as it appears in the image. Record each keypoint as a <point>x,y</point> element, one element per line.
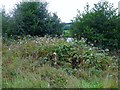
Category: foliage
<point>44,77</point>
<point>31,18</point>
<point>67,33</point>
<point>5,22</point>
<point>53,62</point>
<point>99,25</point>
<point>30,61</point>
<point>67,26</point>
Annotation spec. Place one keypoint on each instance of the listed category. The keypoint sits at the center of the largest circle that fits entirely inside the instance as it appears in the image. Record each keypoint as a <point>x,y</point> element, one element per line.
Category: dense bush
<point>99,25</point>
<point>31,18</point>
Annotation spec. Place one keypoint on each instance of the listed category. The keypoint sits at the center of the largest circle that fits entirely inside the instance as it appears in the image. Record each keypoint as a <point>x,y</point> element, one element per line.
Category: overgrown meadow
<point>46,62</point>
<point>36,52</point>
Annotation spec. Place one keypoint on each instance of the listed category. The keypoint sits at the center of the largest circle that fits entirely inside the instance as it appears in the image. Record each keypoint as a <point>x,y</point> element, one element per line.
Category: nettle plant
<point>76,55</point>
<point>71,56</point>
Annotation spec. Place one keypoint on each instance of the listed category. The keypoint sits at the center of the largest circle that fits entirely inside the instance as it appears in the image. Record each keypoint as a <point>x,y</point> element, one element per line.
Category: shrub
<point>99,25</point>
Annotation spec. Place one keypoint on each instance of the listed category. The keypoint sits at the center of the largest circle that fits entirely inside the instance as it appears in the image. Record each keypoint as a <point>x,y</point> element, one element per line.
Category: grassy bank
<point>46,62</point>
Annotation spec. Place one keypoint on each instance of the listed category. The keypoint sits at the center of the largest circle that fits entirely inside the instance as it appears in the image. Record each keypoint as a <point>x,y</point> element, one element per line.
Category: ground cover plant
<point>46,62</point>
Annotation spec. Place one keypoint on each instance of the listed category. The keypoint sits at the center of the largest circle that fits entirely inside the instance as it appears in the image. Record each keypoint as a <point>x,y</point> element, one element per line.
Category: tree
<point>98,25</point>
<point>5,23</point>
<point>54,25</point>
<point>32,18</point>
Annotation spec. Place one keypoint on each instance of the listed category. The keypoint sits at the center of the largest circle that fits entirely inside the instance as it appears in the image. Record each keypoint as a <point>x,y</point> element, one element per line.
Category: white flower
<point>70,39</point>
<point>91,54</point>
<point>20,42</point>
<point>83,39</point>
<point>91,44</point>
<point>55,53</point>
<point>36,42</point>
<point>9,49</point>
<point>90,48</point>
<point>106,50</point>
<point>48,85</point>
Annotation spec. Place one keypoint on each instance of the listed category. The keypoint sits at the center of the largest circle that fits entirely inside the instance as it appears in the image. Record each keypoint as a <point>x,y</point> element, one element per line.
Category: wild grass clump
<point>44,77</point>
<point>52,62</point>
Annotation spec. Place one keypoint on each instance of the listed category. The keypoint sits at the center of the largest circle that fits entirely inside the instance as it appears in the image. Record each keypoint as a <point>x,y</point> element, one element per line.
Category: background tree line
<point>100,24</point>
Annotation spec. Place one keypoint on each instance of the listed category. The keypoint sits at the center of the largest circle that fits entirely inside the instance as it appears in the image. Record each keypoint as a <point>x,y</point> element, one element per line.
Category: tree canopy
<point>31,18</point>
<point>99,25</point>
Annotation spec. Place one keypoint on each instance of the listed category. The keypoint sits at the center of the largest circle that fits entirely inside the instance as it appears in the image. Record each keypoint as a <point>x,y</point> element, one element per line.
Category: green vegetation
<point>67,26</point>
<point>99,25</point>
<point>67,29</point>
<point>67,33</point>
<point>36,54</point>
<point>52,62</point>
<point>31,18</point>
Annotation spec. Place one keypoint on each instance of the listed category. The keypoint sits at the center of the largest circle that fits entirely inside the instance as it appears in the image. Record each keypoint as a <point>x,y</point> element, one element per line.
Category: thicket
<point>30,18</point>
<point>98,25</point>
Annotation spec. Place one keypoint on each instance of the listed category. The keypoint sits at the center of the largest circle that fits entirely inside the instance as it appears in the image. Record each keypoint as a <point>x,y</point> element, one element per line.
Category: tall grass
<point>46,62</point>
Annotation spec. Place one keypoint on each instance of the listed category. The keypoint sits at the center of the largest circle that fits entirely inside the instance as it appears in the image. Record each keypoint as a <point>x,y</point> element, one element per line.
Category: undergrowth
<point>46,62</point>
